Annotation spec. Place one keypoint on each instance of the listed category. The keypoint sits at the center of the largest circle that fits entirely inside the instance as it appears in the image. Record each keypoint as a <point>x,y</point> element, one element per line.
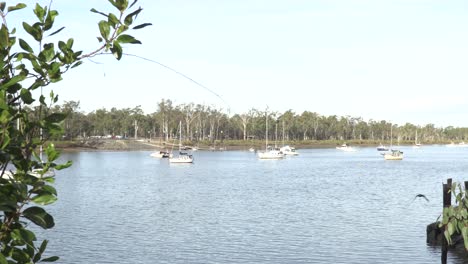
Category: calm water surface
<point>323,206</point>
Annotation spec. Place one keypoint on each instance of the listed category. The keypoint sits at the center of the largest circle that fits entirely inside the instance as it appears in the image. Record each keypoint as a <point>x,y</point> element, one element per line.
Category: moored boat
<point>394,154</point>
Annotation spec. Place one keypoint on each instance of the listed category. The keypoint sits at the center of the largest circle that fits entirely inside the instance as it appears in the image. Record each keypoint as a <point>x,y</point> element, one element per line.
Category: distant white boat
<point>269,153</point>
<point>459,145</point>
<point>287,150</point>
<point>394,154</point>
<point>161,154</point>
<point>416,143</point>
<point>183,157</point>
<point>382,148</point>
<point>251,149</point>
<point>347,148</point>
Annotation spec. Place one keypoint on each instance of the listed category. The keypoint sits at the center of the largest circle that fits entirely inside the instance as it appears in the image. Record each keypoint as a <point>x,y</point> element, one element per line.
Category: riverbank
<point>146,144</point>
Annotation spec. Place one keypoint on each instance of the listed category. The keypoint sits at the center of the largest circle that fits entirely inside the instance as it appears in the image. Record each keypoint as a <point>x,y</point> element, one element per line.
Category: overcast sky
<point>401,61</point>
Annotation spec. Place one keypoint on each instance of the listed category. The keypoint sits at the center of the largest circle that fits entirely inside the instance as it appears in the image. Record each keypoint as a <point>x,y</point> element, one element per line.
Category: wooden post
<point>447,202</point>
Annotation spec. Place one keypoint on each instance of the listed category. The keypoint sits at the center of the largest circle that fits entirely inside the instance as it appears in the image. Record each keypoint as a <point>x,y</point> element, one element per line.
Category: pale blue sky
<point>402,61</point>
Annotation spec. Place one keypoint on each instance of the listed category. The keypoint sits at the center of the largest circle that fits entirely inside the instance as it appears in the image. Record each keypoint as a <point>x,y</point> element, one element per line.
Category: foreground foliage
<point>455,217</point>
<point>25,177</point>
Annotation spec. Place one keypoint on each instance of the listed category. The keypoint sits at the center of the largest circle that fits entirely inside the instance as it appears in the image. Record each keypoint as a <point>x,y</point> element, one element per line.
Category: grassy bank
<point>146,144</point>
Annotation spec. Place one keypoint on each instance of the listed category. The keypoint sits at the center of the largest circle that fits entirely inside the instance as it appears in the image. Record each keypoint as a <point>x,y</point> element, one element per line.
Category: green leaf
<point>24,235</point>
<point>121,5</point>
<point>450,228</point>
<point>129,18</point>
<point>64,166</point>
<point>51,152</point>
<point>122,29</point>
<point>16,7</point>
<point>464,233</point>
<point>134,2</point>
<point>43,246</point>
<point>51,259</point>
<point>447,237</point>
<point>70,42</point>
<point>4,37</point>
<point>48,53</point>
<point>49,189</point>
<point>34,30</point>
<point>76,64</point>
<point>39,217</point>
<point>55,117</point>
<point>3,260</point>
<point>57,31</point>
<point>25,46</point>
<point>98,12</point>
<point>6,140</point>
<point>104,28</point>
<point>49,22</point>
<point>113,20</point>
<point>19,256</point>
<point>26,96</point>
<point>44,199</point>
<point>127,39</point>
<point>116,50</point>
<point>40,12</point>
<point>142,25</point>
<point>16,79</point>
<point>2,6</point>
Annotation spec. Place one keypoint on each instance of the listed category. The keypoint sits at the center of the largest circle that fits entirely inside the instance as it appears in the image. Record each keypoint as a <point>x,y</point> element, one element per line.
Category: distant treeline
<point>205,123</point>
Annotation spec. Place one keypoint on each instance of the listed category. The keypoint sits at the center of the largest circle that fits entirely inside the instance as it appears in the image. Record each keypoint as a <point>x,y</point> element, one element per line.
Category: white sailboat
<point>269,153</point>
<point>416,143</point>
<point>286,149</point>
<point>393,154</point>
<point>183,157</point>
<point>346,147</point>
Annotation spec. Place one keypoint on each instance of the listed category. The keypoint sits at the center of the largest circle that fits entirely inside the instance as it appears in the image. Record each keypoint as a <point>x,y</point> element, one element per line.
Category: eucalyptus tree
<point>137,116</point>
<point>70,109</point>
<point>201,118</point>
<point>188,110</point>
<point>362,129</point>
<point>28,66</point>
<point>244,121</point>
<point>288,122</point>
<point>408,131</point>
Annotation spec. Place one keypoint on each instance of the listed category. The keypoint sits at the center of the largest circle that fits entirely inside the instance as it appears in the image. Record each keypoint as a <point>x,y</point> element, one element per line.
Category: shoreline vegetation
<point>147,144</point>
<point>203,126</point>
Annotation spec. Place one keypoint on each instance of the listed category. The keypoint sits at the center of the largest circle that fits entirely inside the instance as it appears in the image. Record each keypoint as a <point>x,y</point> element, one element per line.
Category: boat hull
<point>270,155</point>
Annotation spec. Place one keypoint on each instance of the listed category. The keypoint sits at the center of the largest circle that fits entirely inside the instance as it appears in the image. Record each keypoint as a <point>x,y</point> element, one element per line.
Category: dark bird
<point>419,196</point>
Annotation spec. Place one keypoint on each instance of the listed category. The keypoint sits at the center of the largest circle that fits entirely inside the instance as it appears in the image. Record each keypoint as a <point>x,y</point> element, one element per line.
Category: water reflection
<point>324,206</point>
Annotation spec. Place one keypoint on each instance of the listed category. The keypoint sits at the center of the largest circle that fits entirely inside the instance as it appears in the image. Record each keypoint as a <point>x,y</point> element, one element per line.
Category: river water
<point>323,206</point>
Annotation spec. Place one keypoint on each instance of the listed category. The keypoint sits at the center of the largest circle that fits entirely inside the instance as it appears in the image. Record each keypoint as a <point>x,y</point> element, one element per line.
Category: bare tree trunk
<point>136,128</point>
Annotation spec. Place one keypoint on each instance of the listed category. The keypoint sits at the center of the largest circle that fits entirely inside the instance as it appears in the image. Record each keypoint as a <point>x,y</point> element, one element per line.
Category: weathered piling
<point>447,197</point>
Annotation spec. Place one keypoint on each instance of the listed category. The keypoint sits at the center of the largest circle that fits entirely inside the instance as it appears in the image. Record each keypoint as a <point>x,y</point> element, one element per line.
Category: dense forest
<point>205,123</point>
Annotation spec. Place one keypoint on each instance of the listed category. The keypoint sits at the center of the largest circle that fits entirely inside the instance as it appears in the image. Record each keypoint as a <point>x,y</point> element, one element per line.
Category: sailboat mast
<point>276,134</point>
<point>180,135</point>
<point>283,132</point>
<point>391,135</point>
<point>266,130</point>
